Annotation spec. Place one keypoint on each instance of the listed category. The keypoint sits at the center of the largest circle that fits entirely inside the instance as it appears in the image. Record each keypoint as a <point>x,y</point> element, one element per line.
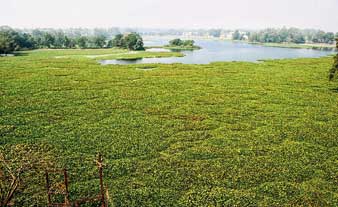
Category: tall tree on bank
<point>133,41</point>
<point>7,43</point>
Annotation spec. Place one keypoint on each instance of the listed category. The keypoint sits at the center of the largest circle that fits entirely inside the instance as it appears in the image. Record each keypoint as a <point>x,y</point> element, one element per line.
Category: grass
<point>223,134</point>
<point>100,54</point>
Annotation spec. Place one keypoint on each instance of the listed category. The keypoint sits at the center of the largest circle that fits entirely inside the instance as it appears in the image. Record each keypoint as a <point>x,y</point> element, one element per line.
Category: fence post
<point>47,188</point>
<point>103,201</point>
<point>67,202</point>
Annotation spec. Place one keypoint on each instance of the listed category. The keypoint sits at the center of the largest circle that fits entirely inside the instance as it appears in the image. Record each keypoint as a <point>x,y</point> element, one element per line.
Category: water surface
<point>218,51</point>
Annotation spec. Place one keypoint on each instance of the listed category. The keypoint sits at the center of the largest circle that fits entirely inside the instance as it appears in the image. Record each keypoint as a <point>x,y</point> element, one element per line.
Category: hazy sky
<point>252,14</point>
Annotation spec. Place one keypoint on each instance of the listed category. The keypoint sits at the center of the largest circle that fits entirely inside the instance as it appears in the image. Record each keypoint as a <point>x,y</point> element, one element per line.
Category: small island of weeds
<point>178,44</point>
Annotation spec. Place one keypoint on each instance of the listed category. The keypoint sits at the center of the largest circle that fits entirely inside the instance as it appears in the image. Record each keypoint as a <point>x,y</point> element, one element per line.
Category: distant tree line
<point>292,35</point>
<point>14,40</point>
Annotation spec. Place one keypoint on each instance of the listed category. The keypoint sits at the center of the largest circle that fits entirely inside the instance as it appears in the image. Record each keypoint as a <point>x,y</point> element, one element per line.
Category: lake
<point>220,50</point>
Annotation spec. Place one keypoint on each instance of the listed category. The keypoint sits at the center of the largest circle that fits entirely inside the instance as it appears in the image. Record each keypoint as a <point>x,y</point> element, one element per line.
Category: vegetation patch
<point>178,44</point>
<point>221,134</point>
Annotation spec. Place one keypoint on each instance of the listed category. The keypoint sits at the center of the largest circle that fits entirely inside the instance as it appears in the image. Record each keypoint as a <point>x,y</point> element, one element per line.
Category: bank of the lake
<point>298,46</point>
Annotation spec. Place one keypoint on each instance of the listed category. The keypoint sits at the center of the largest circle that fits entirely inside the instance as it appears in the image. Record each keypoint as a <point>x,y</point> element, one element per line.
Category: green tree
<point>133,41</point>
<point>189,43</point>
<point>139,44</point>
<point>298,39</point>
<point>7,43</point>
<point>118,41</point>
<point>48,40</point>
<point>26,41</point>
<point>329,38</point>
<point>110,44</point>
<point>236,35</point>
<point>176,42</point>
<point>99,41</point>
<point>82,42</point>
<point>69,42</point>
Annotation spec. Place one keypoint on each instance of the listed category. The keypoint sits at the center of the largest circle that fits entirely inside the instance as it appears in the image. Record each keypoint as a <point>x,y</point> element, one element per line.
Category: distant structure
<point>334,68</point>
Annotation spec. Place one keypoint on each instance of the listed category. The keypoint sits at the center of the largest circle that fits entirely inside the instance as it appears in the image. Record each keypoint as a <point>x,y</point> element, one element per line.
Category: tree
<point>329,38</point>
<point>237,35</point>
<point>133,41</point>
<point>118,41</point>
<point>189,43</point>
<point>26,41</point>
<point>69,42</point>
<point>181,43</point>
<point>48,40</point>
<point>82,42</point>
<point>109,44</point>
<point>7,42</point>
<point>99,41</point>
<point>139,44</point>
<point>176,42</point>
<point>298,39</point>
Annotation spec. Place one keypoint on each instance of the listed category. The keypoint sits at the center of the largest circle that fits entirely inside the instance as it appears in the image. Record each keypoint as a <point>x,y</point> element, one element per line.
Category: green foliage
<point>182,44</point>
<point>48,40</point>
<point>82,42</point>
<point>179,42</point>
<point>221,134</point>
<point>7,43</point>
<point>118,41</point>
<point>291,35</point>
<point>298,39</point>
<point>99,41</point>
<point>11,41</point>
<point>132,41</point>
<point>189,43</point>
<point>176,42</point>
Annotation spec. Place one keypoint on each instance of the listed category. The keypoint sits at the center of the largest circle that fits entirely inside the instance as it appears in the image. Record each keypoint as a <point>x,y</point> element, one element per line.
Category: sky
<point>192,14</point>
